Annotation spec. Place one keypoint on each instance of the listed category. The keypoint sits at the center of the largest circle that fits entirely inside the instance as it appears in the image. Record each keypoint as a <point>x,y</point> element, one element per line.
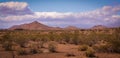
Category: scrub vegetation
<point>27,42</point>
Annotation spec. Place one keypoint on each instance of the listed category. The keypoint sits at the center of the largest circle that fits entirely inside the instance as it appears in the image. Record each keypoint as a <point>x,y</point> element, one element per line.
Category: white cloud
<point>107,8</point>
<point>52,14</point>
<point>18,18</point>
<point>116,8</point>
<point>116,16</point>
<point>14,8</point>
<point>14,5</point>
<point>19,11</point>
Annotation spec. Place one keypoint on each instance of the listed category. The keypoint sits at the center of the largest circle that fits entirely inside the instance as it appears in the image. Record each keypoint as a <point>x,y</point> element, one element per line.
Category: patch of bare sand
<point>63,50</point>
<point>108,55</point>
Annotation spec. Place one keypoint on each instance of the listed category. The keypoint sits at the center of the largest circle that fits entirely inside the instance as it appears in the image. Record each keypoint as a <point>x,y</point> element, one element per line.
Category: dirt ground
<point>63,50</point>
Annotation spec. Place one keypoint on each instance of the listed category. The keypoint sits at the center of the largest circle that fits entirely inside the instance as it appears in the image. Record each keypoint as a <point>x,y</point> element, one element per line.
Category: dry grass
<point>38,44</point>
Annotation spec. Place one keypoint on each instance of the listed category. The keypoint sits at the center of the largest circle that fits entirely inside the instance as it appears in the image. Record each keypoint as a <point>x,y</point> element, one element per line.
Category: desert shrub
<point>52,47</point>
<point>22,41</point>
<point>66,36</point>
<point>1,39</point>
<point>8,43</point>
<point>114,40</point>
<point>83,47</point>
<point>102,47</point>
<point>51,36</point>
<point>90,39</point>
<point>7,37</point>
<point>22,51</point>
<point>35,51</point>
<point>70,54</point>
<point>58,37</point>
<point>90,52</point>
<point>41,44</point>
<point>75,38</point>
<point>34,47</point>
<point>75,41</point>
<point>8,46</point>
<point>45,38</point>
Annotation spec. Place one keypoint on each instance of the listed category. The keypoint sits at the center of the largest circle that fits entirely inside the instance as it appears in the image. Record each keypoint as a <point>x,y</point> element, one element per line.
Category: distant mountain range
<point>99,27</point>
<point>71,28</point>
<point>33,26</point>
<point>39,26</point>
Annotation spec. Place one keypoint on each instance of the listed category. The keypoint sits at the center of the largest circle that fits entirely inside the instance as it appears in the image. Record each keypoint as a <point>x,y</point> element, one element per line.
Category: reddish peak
<point>35,22</point>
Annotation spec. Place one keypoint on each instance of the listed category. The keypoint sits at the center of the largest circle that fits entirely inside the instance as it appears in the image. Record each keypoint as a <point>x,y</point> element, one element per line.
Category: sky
<point>60,13</point>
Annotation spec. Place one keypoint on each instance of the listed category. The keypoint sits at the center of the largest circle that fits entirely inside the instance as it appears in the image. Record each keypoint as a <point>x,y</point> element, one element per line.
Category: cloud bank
<point>12,13</point>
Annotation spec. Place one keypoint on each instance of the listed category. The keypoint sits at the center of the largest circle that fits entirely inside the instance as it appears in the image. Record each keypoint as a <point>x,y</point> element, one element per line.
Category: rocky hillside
<point>32,26</point>
<point>71,28</point>
<point>99,27</point>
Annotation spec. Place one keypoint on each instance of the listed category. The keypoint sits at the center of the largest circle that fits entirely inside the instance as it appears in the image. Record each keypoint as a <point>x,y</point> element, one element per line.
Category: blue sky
<point>60,13</point>
<point>66,5</point>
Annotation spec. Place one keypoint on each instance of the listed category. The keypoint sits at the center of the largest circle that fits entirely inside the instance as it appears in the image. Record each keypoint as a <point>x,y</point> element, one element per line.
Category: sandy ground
<point>62,49</point>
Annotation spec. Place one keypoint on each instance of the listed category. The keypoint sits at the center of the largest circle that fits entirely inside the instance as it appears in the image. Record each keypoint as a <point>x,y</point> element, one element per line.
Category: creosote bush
<point>114,40</point>
<point>35,51</point>
<point>41,44</point>
<point>52,47</point>
<point>8,46</point>
<point>83,47</point>
<point>90,52</point>
<point>76,39</point>
<point>22,42</point>
<point>102,48</point>
<point>70,54</point>
<point>88,37</point>
<point>22,51</point>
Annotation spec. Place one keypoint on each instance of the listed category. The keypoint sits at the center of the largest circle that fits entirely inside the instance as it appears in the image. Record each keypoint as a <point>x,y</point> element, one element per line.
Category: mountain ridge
<point>35,25</point>
<point>99,27</point>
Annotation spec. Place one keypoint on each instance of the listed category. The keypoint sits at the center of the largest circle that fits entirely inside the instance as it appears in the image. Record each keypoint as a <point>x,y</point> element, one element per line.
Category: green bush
<point>75,38</point>
<point>22,52</point>
<point>52,47</point>
<point>90,52</point>
<point>70,54</point>
<point>8,46</point>
<point>102,48</point>
<point>88,37</point>
<point>35,51</point>
<point>66,36</point>
<point>22,41</point>
<point>114,40</point>
<point>83,47</point>
<point>41,44</point>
